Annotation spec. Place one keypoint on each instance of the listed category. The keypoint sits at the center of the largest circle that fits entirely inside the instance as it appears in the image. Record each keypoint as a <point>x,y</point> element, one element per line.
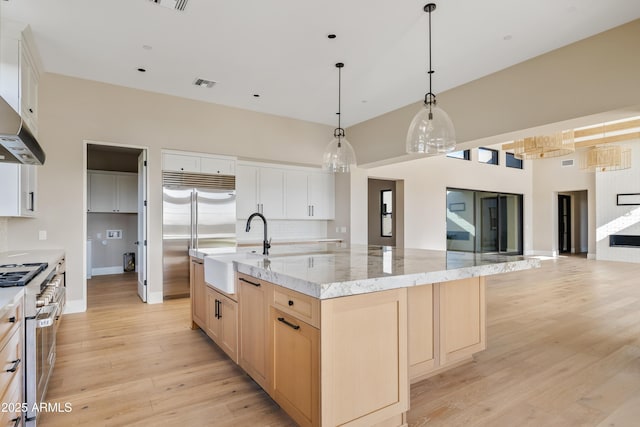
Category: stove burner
<point>19,274</point>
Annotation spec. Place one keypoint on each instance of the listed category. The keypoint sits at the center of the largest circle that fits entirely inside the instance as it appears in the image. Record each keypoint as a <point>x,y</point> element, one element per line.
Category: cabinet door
<point>198,295</point>
<point>246,191</point>
<point>180,163</point>
<point>213,325</point>
<point>296,194</point>
<point>462,319</point>
<point>28,190</point>
<point>420,330</point>
<point>28,91</point>
<point>271,192</point>
<point>127,193</point>
<point>228,318</point>
<point>102,194</point>
<point>253,319</point>
<point>215,166</point>
<point>322,195</point>
<point>295,377</point>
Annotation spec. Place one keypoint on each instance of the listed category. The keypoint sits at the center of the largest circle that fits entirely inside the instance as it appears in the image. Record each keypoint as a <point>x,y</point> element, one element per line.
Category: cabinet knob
<point>290,303</point>
<point>12,319</point>
<point>31,110</point>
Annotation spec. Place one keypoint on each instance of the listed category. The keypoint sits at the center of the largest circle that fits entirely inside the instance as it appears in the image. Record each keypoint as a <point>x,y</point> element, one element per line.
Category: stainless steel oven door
<point>41,359</point>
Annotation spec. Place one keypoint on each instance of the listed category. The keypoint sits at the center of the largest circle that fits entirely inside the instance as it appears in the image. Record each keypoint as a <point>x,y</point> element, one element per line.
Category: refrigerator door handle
<point>191,222</point>
<point>195,225</point>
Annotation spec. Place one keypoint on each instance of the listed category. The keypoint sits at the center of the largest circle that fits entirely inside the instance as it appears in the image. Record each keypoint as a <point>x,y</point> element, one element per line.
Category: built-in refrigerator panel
<point>194,217</point>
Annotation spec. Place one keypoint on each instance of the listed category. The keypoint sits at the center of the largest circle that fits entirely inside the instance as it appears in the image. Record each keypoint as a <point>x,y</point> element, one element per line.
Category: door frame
<point>85,144</point>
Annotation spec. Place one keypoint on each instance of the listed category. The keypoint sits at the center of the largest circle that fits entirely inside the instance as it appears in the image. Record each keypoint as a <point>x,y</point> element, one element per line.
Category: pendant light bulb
<point>339,156</point>
<point>431,130</point>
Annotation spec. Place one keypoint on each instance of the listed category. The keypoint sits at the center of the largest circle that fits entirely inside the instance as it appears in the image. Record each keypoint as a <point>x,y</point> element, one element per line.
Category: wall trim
<point>591,255</point>
<point>75,306</point>
<point>101,271</point>
<point>154,297</point>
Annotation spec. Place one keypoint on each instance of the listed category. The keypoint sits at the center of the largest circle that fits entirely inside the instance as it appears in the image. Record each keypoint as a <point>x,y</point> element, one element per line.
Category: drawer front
<point>11,360</point>
<point>12,413</point>
<point>301,306</point>
<point>10,322</point>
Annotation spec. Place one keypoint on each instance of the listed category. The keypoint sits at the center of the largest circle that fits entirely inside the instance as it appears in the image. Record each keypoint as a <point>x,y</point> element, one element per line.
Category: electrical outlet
<point>343,229</point>
<point>42,235</point>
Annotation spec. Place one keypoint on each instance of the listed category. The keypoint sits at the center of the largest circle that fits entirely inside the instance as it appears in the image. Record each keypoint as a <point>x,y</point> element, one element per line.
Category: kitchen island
<point>335,334</point>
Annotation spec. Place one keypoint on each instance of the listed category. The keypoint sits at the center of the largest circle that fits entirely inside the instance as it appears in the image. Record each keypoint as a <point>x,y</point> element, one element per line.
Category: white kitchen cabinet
<point>260,189</point>
<point>309,195</point>
<point>180,163</point>
<point>18,190</point>
<point>112,192</point>
<point>211,165</point>
<point>29,78</point>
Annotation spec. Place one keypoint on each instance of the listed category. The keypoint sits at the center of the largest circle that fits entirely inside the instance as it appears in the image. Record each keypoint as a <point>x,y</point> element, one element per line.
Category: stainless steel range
<point>43,308</point>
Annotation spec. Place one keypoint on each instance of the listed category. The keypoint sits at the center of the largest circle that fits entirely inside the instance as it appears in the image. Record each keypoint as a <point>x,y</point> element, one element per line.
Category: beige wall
<point>556,90</point>
<point>3,234</point>
<point>74,110</point>
<point>105,252</point>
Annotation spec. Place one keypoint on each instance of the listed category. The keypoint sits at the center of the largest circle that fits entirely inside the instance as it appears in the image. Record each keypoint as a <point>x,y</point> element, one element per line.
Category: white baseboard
<point>154,297</point>
<point>101,271</point>
<point>591,256</point>
<point>544,253</point>
<point>75,306</point>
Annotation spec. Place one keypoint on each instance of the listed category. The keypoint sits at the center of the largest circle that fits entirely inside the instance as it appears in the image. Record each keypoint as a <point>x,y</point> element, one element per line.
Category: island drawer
<point>303,307</point>
<point>11,364</point>
<point>10,319</point>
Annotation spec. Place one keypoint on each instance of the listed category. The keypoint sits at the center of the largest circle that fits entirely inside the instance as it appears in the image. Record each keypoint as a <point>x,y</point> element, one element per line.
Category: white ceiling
<point>280,50</point>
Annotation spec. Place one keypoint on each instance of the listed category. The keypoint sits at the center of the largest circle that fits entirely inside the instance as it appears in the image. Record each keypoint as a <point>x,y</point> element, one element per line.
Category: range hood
<point>17,144</point>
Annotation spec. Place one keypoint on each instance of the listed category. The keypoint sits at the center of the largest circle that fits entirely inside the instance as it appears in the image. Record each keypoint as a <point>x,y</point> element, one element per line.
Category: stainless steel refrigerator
<point>198,211</point>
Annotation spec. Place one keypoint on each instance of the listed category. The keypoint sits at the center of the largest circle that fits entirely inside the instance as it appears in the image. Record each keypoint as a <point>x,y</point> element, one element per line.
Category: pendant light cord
<point>339,132</point>
<point>430,97</point>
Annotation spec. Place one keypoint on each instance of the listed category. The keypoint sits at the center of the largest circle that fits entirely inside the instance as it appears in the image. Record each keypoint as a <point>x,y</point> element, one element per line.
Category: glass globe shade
<point>338,156</point>
<point>431,135</point>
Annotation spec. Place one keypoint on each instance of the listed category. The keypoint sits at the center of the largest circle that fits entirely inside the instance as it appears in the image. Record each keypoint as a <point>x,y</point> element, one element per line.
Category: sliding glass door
<point>484,222</point>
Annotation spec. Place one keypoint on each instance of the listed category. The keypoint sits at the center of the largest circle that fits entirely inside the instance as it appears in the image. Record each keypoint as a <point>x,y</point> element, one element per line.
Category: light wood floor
<point>563,350</point>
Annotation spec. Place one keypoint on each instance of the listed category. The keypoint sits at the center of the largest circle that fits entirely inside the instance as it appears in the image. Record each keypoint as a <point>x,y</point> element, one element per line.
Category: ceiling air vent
<point>172,4</point>
<point>567,163</point>
<point>204,83</point>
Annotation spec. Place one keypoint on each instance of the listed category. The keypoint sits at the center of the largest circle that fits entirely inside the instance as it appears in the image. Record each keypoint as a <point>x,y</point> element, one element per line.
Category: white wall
<point>425,184</point>
<point>4,228</point>
<point>613,219</point>
<point>551,178</point>
<point>107,253</point>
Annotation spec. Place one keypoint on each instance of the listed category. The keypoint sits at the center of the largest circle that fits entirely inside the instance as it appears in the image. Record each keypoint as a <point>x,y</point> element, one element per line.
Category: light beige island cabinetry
<point>335,342</point>
<point>11,357</point>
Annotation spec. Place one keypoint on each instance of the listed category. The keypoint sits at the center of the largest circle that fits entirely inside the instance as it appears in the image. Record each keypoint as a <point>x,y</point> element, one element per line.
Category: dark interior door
<point>564,223</point>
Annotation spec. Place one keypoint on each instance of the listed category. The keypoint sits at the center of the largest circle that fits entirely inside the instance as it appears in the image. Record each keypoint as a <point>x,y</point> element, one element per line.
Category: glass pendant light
<point>431,130</point>
<point>339,155</point>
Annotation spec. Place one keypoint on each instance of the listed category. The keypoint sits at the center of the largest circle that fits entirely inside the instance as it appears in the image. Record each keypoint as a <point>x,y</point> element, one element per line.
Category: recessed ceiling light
<point>146,47</point>
<point>331,36</point>
<point>364,101</point>
<point>507,37</point>
<point>142,70</point>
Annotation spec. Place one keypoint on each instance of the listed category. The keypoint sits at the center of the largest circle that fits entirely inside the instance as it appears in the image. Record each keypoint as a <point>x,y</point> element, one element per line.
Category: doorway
<point>572,222</point>
<point>116,215</point>
<point>564,223</point>
<point>484,222</point>
<point>382,212</point>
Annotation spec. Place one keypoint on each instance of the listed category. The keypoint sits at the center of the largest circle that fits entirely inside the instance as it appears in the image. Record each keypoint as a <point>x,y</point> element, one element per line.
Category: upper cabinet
<point>284,192</point>
<point>112,192</point>
<point>260,189</point>
<point>201,163</point>
<point>29,77</point>
<point>309,195</point>
<point>18,190</point>
<point>20,72</point>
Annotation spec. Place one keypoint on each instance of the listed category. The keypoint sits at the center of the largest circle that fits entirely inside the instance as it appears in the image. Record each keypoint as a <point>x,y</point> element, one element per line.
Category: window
<point>463,155</point>
<point>513,162</point>
<point>487,155</point>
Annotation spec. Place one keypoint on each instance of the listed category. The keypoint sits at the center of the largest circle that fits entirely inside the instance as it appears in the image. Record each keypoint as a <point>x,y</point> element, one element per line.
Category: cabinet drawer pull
<point>12,319</point>
<point>291,325</point>
<point>14,368</point>
<point>219,311</point>
<point>16,421</point>
<point>249,282</point>
<point>290,303</point>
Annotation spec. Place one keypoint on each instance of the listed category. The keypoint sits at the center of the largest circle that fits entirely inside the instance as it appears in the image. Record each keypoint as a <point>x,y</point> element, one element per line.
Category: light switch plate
<point>42,235</point>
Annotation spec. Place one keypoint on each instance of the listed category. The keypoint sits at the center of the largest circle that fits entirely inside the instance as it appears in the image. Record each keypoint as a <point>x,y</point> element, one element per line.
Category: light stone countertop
<point>331,270</point>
